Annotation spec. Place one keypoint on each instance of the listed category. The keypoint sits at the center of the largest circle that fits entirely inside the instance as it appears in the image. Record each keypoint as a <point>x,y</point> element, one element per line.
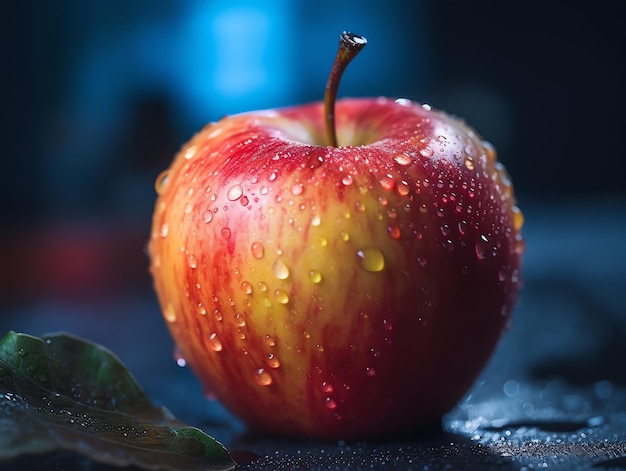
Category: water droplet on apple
<point>246,287</point>
<point>161,181</point>
<point>448,245</point>
<point>281,296</point>
<point>191,261</point>
<point>403,159</point>
<point>267,301</point>
<point>327,387</point>
<point>188,208</point>
<point>297,189</point>
<point>169,313</point>
<point>347,180</point>
<point>280,269</point>
<point>445,230</point>
<point>469,162</point>
<point>387,182</point>
<point>215,343</point>
<point>272,176</point>
<point>371,372</point>
<point>421,261</point>
<point>272,360</point>
<point>518,218</point>
<point>244,200</point>
<point>262,286</point>
<point>371,259</point>
<point>165,228</point>
<point>315,220</point>
<point>217,315</point>
<point>323,241</point>
<point>462,227</point>
<point>330,403</point>
<point>262,377</point>
<point>226,232</point>
<point>257,250</point>
<point>207,216</point>
<point>503,273</point>
<point>270,340</point>
<point>482,247</point>
<point>345,236</point>
<point>394,232</point>
<point>239,320</point>
<point>403,189</point>
<point>315,276</point>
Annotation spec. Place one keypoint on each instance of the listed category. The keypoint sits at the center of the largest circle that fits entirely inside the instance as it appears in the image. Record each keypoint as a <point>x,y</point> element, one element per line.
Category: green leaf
<point>62,393</point>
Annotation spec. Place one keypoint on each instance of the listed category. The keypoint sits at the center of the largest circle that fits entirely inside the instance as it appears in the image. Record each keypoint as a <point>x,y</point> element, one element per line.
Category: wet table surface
<point>553,395</point>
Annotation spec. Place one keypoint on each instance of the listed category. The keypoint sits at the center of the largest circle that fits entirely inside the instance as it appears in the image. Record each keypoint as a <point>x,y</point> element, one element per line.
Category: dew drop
<point>297,189</point>
<point>272,176</point>
<point>403,189</point>
<point>315,220</point>
<point>469,162</point>
<point>394,232</point>
<point>217,315</point>
<point>345,236</point>
<point>462,227</point>
<point>262,377</point>
<point>244,201</point>
<point>323,241</point>
<point>188,208</point>
<point>402,159</point>
<point>165,228</point>
<point>503,273</point>
<point>371,259</point>
<point>315,276</point>
<point>246,287</point>
<point>192,262</point>
<point>280,269</point>
<point>445,230</point>
<point>257,250</point>
<point>169,313</point>
<point>518,218</point>
<point>226,232</point>
<point>215,343</point>
<point>347,180</point>
<point>262,286</point>
<point>272,360</point>
<point>371,372</point>
<point>207,216</point>
<point>21,352</point>
<point>239,320</point>
<point>421,261</point>
<point>270,340</point>
<point>161,182</point>
<point>281,296</point>
<point>387,182</point>
<point>330,403</point>
<point>327,387</point>
<point>201,309</point>
<point>267,302</point>
<point>482,247</point>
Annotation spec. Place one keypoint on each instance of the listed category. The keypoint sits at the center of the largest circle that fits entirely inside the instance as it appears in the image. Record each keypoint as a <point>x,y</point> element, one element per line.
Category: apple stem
<point>349,46</point>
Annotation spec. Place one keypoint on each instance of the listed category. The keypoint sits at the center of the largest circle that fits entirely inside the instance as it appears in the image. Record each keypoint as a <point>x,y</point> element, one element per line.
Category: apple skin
<point>348,292</point>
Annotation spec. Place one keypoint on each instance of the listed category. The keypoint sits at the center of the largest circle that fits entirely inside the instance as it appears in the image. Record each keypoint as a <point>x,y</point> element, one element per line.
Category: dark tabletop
<point>553,395</point>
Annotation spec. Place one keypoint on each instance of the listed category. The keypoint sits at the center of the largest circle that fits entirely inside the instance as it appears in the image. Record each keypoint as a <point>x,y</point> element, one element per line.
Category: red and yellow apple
<point>342,291</point>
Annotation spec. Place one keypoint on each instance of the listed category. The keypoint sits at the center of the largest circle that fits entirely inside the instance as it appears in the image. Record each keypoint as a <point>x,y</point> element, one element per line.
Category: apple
<point>340,270</point>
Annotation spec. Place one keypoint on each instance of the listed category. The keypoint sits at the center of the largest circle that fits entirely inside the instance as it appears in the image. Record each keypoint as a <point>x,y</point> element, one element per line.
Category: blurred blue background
<point>98,96</point>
